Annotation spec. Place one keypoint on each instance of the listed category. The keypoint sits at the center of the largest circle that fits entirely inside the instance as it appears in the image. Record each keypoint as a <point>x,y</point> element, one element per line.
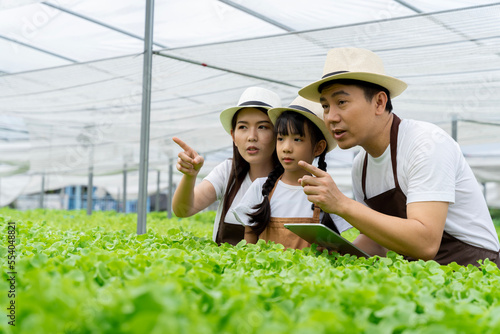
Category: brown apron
<point>276,231</point>
<point>393,203</point>
<point>230,233</point>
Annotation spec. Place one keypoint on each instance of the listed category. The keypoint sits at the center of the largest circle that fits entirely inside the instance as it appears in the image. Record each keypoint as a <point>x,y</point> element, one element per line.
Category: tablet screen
<point>323,236</point>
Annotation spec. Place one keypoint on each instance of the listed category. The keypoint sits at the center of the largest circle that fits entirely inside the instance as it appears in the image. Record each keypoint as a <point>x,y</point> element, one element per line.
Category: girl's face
<point>254,137</point>
<point>292,148</point>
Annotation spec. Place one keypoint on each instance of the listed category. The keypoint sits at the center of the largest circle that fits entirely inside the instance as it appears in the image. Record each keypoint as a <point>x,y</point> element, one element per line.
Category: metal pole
<point>118,195</point>
<point>146,108</point>
<point>62,196</point>
<point>78,197</point>
<point>42,191</point>
<point>90,189</point>
<point>454,129</point>
<point>125,189</point>
<point>170,188</point>
<point>157,202</point>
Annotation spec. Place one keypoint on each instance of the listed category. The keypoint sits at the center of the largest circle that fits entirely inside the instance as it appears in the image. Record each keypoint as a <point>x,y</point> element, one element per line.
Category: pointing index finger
<point>311,169</point>
<point>182,144</point>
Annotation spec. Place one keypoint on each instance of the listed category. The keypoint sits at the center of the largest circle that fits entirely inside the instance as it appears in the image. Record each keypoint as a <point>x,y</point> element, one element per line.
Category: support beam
<point>454,127</point>
<point>37,49</point>
<point>78,197</point>
<point>170,188</point>
<point>257,15</point>
<point>42,192</point>
<point>407,5</point>
<point>125,188</point>
<point>437,21</point>
<point>90,189</point>
<point>118,196</point>
<point>105,25</point>
<point>145,119</point>
<point>243,74</point>
<point>157,199</point>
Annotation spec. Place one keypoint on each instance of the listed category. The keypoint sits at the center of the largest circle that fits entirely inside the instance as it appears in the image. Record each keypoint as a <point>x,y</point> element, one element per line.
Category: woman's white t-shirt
<point>219,177</point>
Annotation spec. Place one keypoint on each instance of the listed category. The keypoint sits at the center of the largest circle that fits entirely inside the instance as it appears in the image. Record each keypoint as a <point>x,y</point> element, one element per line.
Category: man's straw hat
<point>357,64</point>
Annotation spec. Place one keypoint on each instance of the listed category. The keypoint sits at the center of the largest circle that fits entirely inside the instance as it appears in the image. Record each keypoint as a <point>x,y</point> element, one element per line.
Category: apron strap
<point>394,147</point>
<point>363,176</point>
<point>316,213</point>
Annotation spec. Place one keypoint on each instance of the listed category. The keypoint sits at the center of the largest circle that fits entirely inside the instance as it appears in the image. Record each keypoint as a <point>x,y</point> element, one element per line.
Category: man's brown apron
<point>393,203</point>
<point>276,231</point>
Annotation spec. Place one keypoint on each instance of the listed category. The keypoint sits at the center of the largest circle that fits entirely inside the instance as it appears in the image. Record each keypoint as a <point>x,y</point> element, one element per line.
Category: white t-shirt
<point>287,202</point>
<point>431,167</point>
<point>219,177</point>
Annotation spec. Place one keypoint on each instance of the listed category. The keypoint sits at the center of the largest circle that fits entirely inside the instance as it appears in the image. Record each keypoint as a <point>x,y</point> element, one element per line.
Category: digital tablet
<point>323,236</point>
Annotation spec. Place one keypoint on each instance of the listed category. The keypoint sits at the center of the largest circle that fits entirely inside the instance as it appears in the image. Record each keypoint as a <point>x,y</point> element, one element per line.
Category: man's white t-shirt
<point>219,177</point>
<point>431,167</point>
<point>287,201</point>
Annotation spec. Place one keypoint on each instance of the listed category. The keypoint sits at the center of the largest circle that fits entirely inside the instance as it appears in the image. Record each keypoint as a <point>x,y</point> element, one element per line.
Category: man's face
<point>347,114</point>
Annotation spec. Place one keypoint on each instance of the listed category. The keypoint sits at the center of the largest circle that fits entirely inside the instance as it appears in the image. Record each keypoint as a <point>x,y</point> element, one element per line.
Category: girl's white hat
<point>252,97</point>
<point>357,64</point>
<point>312,111</point>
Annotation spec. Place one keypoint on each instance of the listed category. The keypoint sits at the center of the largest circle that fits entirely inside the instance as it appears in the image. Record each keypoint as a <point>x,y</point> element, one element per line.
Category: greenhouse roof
<point>71,82</point>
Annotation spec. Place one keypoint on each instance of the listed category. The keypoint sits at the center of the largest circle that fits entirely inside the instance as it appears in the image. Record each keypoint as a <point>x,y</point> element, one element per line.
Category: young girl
<point>278,199</point>
<point>254,156</point>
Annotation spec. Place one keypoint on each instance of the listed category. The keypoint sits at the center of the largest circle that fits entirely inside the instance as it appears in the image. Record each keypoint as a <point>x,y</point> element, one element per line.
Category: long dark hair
<point>289,122</point>
<point>239,170</point>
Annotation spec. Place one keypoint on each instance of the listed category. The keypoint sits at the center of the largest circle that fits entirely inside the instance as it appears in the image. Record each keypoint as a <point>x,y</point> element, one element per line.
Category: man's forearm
<point>419,238</point>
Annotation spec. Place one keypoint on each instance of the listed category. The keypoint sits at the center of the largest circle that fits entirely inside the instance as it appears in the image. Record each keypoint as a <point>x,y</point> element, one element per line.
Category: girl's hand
<point>188,162</point>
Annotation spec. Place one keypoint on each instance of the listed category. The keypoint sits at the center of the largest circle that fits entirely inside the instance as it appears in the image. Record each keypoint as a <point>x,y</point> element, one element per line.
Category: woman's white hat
<point>252,97</point>
<point>354,63</point>
<point>313,111</point>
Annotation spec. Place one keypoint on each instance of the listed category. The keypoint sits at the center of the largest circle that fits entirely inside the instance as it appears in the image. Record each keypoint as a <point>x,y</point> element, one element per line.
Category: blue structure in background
<point>77,200</point>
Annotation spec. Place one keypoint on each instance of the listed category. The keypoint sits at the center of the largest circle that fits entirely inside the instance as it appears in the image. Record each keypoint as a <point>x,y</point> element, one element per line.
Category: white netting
<point>60,122</point>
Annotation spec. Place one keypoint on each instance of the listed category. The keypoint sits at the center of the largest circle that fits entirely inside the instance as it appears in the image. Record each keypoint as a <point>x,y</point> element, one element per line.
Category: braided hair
<point>289,122</point>
<point>327,219</point>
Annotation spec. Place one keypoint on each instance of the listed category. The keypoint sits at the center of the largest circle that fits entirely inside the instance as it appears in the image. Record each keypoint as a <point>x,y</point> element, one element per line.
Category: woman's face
<point>253,135</point>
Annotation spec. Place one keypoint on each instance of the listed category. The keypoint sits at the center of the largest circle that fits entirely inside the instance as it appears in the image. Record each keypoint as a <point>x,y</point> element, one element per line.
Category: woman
<point>254,156</point>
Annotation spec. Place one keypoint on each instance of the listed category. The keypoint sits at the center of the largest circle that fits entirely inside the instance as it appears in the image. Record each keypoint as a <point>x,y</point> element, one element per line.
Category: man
<point>415,193</point>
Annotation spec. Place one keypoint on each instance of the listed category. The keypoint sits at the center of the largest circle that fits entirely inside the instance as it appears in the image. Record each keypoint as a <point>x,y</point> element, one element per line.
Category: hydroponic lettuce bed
<point>80,274</point>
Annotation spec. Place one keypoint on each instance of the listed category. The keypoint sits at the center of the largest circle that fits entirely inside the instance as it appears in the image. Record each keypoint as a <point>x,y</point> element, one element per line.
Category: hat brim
<point>226,116</point>
<point>393,85</point>
<point>274,113</point>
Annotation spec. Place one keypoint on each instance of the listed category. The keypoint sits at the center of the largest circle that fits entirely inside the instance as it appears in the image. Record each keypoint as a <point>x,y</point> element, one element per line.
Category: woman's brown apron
<point>230,233</point>
<point>276,231</point>
<point>393,203</point>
